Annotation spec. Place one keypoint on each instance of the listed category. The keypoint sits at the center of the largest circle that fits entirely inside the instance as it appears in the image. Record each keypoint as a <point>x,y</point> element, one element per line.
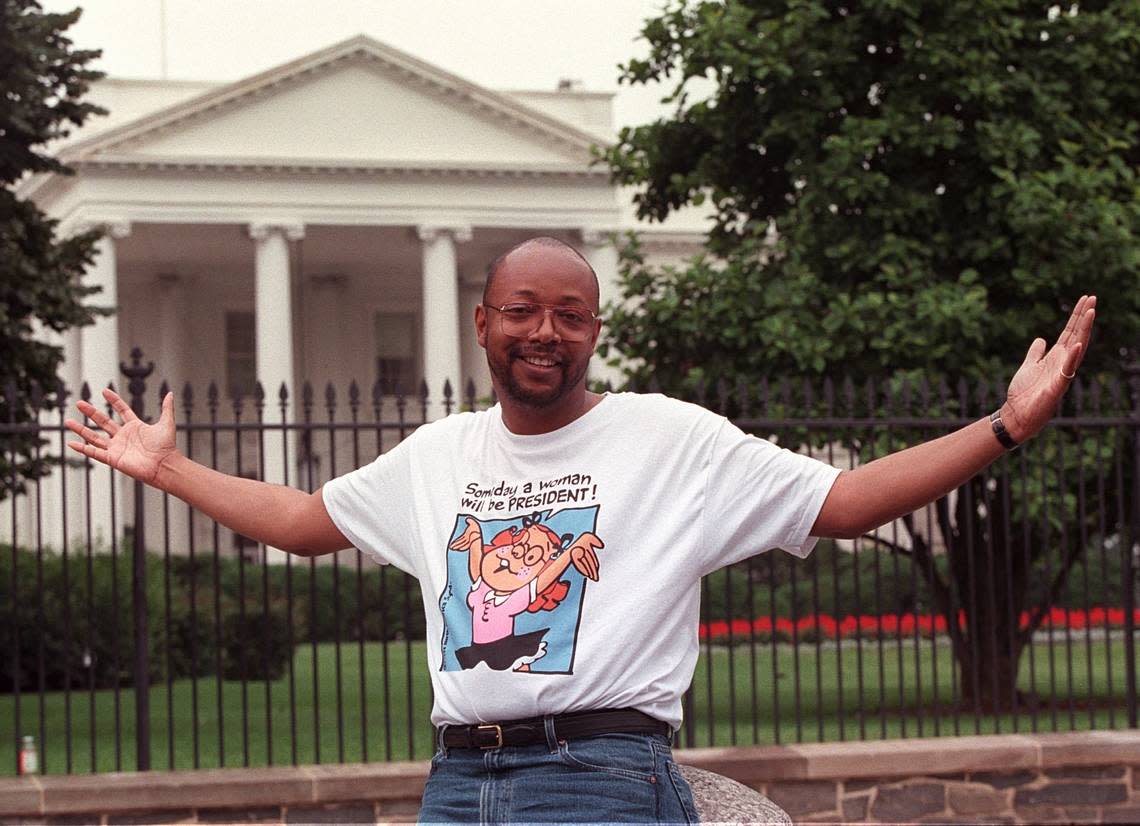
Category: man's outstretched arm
<point>277,515</point>
<point>885,489</point>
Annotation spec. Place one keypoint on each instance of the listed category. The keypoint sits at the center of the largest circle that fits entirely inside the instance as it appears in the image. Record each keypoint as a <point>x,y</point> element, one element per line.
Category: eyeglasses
<point>520,319</point>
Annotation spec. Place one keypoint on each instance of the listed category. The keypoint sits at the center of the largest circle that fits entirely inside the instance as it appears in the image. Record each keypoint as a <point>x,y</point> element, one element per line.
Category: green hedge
<point>77,620</point>
<point>842,575</point>
<point>261,626</point>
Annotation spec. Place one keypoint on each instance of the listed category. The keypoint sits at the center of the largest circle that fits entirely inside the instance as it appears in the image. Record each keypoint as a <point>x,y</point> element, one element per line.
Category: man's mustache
<point>547,352</point>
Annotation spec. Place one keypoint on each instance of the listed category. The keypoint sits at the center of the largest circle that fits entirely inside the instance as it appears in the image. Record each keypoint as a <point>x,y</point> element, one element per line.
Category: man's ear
<point>597,333</point>
<point>481,325</point>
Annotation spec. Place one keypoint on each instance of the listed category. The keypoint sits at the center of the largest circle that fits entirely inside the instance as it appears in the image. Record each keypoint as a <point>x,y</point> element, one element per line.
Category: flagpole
<point>162,35</point>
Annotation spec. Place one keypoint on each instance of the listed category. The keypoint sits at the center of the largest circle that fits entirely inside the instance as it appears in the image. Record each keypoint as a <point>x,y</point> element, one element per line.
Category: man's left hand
<point>1038,385</point>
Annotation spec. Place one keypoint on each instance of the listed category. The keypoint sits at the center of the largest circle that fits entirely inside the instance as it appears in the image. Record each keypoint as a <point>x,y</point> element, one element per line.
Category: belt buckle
<point>491,727</point>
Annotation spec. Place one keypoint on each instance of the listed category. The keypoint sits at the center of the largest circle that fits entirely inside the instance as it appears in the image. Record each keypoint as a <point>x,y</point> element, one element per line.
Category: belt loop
<point>551,735</point>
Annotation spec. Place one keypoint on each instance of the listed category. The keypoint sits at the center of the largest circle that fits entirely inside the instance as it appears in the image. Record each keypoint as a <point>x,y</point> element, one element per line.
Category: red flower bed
<point>828,627</point>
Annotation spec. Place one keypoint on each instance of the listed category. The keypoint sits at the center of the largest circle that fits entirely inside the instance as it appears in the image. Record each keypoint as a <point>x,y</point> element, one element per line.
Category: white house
<point>319,220</point>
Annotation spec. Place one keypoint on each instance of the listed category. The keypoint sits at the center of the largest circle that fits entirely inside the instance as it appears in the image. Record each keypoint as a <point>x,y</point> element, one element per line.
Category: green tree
<point>42,83</point>
<point>901,190</point>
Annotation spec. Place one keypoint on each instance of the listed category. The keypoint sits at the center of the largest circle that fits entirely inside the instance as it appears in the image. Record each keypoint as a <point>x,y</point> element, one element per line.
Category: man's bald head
<point>544,243</point>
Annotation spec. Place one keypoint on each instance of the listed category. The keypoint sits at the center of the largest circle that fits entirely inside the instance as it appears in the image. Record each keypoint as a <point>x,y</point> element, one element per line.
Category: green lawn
<point>321,735</point>
<point>830,711</point>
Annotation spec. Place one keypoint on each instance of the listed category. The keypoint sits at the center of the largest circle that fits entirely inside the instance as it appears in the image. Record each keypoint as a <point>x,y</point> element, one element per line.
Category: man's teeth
<point>503,564</point>
<point>541,362</point>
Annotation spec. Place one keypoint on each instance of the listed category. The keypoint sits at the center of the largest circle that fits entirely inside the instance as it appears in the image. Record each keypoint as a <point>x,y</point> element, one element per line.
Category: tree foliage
<point>42,83</point>
<point>897,186</point>
<point>900,190</point>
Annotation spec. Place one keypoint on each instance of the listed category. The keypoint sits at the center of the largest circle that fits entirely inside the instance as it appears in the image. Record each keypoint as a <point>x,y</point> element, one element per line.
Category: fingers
<point>1071,324</point>
<point>105,422</point>
<point>1076,343</point>
<point>1072,361</point>
<point>167,407</point>
<point>93,446</point>
<point>1036,351</point>
<point>1077,320</point>
<point>1085,322</point>
<point>88,435</point>
<point>90,451</point>
<point>1084,333</point>
<point>1073,319</point>
<point>119,406</point>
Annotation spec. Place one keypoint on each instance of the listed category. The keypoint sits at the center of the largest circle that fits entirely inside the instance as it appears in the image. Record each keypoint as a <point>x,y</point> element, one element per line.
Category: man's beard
<point>537,399</point>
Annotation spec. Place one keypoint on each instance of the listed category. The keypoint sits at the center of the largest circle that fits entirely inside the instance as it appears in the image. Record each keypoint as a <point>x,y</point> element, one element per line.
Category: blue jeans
<point>611,778</point>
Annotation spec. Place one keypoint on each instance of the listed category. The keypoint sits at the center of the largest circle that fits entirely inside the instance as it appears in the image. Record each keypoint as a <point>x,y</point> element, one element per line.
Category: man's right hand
<point>134,447</point>
<point>280,516</point>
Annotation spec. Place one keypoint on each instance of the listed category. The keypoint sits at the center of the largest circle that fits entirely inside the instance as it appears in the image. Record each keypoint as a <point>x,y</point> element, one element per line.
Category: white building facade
<point>328,220</point>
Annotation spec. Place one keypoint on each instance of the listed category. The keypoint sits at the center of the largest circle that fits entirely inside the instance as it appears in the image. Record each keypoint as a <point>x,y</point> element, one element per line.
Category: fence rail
<point>1010,605</point>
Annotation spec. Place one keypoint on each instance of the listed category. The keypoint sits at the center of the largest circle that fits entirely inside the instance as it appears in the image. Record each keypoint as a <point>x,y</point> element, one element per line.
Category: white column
<point>99,362</point>
<point>441,312</point>
<point>173,341</point>
<point>600,251</point>
<point>71,370</point>
<point>71,373</point>
<point>99,342</point>
<point>51,502</point>
<point>273,324</point>
<point>172,320</point>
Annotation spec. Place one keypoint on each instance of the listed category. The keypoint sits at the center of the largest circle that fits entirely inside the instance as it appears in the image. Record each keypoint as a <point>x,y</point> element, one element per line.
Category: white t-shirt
<point>659,491</point>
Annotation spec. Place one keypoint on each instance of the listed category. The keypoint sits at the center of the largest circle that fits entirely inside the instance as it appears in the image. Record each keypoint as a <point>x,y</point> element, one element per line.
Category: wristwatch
<point>999,430</point>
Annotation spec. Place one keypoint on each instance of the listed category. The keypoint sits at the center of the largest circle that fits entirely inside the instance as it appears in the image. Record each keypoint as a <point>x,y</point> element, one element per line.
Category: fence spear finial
<point>137,374</point>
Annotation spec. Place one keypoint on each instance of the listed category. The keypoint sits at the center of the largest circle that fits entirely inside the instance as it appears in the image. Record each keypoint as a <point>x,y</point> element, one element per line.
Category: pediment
<point>356,103</point>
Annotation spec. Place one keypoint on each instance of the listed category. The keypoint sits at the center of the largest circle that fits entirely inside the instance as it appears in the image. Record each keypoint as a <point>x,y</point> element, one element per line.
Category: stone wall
<point>1085,794</point>
<point>1091,777</point>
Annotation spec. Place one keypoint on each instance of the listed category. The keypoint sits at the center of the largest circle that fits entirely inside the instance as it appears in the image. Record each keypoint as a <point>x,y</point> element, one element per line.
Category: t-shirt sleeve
<point>372,506</point>
<point>760,496</point>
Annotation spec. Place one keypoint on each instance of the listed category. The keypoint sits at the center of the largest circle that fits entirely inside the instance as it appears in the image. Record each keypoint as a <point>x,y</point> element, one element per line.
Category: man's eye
<point>519,310</point>
<point>572,316</point>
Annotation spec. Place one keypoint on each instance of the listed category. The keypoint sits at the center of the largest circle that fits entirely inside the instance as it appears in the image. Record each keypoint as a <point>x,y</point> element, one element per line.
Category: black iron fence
<point>1010,605</point>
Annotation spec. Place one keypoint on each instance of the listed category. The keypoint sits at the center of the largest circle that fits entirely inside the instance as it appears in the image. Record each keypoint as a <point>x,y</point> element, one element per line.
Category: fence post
<point>1129,574</point>
<point>137,374</point>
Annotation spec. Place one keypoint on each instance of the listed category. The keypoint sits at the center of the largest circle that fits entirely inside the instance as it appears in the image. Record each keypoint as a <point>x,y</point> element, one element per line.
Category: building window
<point>396,351</point>
<point>241,354</point>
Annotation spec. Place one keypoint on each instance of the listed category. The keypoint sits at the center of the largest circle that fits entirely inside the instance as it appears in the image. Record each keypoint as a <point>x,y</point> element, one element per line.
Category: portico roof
<point>358,106</point>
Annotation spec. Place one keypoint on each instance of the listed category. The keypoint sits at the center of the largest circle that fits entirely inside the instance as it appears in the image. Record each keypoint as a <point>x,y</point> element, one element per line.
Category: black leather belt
<point>532,731</point>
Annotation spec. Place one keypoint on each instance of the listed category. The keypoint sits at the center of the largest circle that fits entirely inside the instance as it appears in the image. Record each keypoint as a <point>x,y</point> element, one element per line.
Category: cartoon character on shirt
<point>517,571</point>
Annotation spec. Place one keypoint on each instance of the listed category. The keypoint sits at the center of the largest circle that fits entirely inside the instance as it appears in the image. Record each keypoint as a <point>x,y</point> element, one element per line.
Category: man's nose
<point>545,331</point>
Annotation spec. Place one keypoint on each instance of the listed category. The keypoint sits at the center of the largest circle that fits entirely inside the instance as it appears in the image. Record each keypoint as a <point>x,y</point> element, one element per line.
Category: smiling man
<point>560,639</point>
<point>539,325</point>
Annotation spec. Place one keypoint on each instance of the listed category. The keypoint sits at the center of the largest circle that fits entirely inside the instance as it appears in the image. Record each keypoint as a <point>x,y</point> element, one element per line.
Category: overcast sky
<point>502,44</point>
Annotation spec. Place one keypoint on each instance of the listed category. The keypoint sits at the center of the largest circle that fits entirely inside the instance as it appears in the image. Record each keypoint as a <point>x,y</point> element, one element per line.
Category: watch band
<point>999,430</point>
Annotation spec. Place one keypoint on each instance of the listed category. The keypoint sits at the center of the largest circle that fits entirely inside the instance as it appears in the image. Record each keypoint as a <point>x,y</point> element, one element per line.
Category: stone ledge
<point>917,757</point>
<point>215,789</point>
